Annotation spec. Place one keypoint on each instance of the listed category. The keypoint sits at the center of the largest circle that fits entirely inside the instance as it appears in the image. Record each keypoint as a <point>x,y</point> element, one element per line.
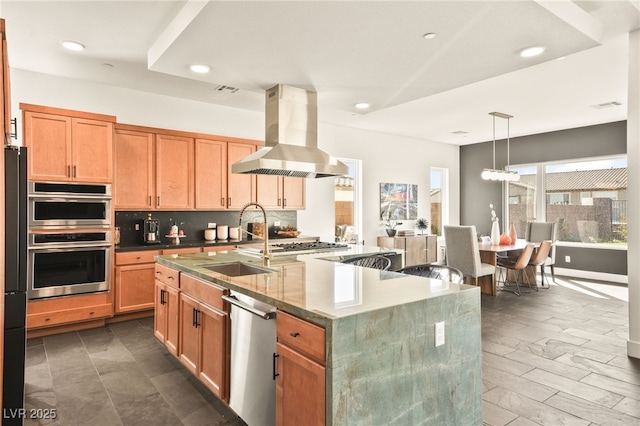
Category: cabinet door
<point>172,305</point>
<point>174,172</point>
<point>135,287</point>
<point>133,177</point>
<point>293,193</point>
<point>241,189</point>
<point>48,138</point>
<point>160,314</point>
<point>92,150</point>
<point>300,389</point>
<point>188,333</point>
<point>416,248</point>
<point>213,350</point>
<point>432,248</point>
<point>268,191</point>
<point>211,174</point>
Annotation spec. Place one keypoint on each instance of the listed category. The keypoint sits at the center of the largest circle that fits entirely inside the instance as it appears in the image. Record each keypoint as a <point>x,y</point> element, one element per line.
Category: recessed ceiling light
<point>430,36</point>
<point>200,69</point>
<point>532,51</point>
<point>72,45</point>
<point>362,105</point>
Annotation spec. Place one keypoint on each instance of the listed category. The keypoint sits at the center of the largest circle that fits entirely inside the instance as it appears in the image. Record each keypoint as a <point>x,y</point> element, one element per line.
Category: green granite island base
<point>382,365</point>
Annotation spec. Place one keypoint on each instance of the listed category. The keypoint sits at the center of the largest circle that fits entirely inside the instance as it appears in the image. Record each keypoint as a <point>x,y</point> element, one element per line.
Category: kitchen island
<point>381,363</point>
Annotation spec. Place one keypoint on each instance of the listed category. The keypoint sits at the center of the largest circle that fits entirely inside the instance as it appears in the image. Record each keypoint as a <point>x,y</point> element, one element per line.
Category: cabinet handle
<point>162,300</point>
<point>68,171</point>
<point>149,200</point>
<point>279,200</point>
<point>74,171</point>
<point>229,202</point>
<point>197,311</point>
<point>14,127</point>
<point>169,277</point>
<point>193,317</point>
<point>275,373</point>
<point>294,335</point>
<point>158,200</point>
<point>284,202</point>
<point>222,202</point>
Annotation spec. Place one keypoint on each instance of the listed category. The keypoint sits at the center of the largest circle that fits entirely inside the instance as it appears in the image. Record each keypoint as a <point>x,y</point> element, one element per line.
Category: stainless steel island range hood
<point>291,145</point>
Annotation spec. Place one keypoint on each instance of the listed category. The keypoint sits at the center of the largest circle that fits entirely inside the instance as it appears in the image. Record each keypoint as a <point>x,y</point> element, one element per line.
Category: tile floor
<point>553,357</point>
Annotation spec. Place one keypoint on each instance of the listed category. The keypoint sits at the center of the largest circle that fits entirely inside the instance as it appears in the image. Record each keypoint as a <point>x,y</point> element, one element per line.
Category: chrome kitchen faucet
<point>266,256</point>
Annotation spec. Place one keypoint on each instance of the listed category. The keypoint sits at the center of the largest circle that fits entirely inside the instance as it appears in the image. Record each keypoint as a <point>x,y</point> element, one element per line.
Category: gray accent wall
<point>476,194</point>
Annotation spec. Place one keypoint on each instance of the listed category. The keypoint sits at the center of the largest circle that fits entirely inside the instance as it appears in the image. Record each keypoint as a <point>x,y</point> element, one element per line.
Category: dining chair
<point>372,261</point>
<point>518,266</point>
<point>540,231</point>
<point>539,259</point>
<point>462,252</point>
<point>435,270</point>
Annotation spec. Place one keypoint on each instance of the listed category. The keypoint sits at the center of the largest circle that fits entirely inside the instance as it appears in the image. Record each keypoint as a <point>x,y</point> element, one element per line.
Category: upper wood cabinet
<point>241,188</point>
<point>68,146</point>
<point>174,172</point>
<point>134,170</point>
<point>211,174</point>
<point>278,192</point>
<point>153,171</point>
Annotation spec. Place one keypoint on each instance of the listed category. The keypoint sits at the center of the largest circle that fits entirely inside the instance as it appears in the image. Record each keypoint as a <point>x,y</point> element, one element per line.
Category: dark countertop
<point>119,248</point>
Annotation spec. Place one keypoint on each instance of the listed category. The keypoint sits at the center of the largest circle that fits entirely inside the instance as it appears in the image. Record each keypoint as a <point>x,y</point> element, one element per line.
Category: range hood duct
<point>291,139</point>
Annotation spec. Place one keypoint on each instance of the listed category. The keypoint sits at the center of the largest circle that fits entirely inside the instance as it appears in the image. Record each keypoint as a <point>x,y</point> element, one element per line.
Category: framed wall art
<point>398,201</point>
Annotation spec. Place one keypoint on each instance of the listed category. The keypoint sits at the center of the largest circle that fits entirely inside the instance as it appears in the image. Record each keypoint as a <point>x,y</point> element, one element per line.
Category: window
<point>439,199</point>
<point>586,198</point>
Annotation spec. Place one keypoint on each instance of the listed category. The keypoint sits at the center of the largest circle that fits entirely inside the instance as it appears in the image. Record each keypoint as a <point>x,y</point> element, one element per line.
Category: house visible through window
<point>587,199</point>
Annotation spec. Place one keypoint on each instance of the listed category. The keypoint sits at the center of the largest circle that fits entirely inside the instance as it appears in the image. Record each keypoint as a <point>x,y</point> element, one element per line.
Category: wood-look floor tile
<point>535,361</point>
<point>600,368</point>
<point>504,364</point>
<point>613,385</point>
<point>630,406</point>
<point>531,409</point>
<point>582,390</point>
<point>589,411</point>
<point>496,416</point>
<point>521,385</point>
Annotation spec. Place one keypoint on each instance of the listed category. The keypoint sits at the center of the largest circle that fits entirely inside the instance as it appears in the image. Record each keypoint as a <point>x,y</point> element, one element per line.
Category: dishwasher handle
<point>234,301</point>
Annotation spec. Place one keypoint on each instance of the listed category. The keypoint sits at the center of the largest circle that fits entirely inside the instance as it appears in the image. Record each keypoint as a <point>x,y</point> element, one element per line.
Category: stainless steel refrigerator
<point>15,296</point>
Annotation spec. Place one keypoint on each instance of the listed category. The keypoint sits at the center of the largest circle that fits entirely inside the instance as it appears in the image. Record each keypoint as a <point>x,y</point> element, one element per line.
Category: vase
<point>391,232</point>
<point>512,233</point>
<point>495,234</point>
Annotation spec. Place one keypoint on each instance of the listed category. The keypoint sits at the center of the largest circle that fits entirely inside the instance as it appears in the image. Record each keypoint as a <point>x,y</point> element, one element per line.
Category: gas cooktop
<point>285,249</point>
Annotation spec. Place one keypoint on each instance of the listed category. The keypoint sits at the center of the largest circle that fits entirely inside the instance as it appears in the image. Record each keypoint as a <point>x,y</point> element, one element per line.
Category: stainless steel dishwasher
<point>253,345</point>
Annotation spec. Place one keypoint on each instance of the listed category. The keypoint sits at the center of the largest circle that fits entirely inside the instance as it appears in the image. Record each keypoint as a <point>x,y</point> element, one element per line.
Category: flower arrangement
<point>494,218</point>
<point>422,224</point>
<point>387,217</point>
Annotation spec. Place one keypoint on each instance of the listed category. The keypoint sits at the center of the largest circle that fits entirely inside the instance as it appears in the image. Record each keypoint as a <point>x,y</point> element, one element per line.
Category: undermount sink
<point>237,269</point>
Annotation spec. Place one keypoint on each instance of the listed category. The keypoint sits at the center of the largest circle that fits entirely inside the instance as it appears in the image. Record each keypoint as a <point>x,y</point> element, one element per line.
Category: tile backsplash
<point>193,223</point>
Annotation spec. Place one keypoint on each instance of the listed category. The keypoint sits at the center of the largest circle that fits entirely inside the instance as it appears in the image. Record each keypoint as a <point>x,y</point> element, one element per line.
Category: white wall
<point>385,158</point>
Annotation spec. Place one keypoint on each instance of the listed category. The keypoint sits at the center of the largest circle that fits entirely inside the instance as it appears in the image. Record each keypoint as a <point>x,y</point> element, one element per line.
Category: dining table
<point>489,254</point>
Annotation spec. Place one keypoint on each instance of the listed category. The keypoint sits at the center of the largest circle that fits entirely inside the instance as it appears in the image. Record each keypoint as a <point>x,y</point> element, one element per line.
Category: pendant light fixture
<point>494,174</point>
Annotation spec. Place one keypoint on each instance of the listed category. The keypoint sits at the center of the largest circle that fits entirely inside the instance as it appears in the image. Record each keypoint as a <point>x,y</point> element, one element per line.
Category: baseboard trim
<point>599,276</point>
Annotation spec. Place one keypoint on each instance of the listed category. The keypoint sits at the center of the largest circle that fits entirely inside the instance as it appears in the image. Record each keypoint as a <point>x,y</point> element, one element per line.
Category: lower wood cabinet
<point>300,380</point>
<point>165,322</point>
<point>418,249</point>
<point>72,312</point>
<point>134,281</point>
<point>204,335</point>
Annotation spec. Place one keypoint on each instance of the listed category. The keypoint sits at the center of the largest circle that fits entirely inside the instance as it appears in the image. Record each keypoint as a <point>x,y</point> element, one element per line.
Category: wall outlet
<point>567,259</point>
<point>137,226</point>
<point>211,225</point>
<point>276,223</point>
<point>439,326</point>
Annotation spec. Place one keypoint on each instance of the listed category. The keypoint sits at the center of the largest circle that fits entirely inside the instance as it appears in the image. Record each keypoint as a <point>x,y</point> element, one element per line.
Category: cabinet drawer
<point>86,313</point>
<point>204,291</point>
<point>168,276</point>
<point>182,250</point>
<point>302,336</point>
<point>136,257</point>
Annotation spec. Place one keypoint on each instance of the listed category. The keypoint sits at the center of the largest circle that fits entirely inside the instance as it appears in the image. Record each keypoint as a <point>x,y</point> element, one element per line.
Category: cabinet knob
<point>294,334</point>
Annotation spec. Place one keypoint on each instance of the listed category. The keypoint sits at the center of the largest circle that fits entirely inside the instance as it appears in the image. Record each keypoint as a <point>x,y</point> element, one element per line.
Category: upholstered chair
<point>462,252</point>
<point>541,231</point>
<point>518,266</point>
<point>539,258</point>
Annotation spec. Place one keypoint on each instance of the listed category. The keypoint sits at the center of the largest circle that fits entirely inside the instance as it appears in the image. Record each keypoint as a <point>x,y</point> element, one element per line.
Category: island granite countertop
<point>316,286</point>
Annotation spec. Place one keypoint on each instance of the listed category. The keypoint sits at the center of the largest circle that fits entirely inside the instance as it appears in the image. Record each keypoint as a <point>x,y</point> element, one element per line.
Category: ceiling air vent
<point>227,89</point>
<point>607,105</point>
<point>460,132</point>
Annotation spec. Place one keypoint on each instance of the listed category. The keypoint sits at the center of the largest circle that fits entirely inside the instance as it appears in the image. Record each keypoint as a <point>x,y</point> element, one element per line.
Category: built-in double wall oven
<point>70,244</point>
